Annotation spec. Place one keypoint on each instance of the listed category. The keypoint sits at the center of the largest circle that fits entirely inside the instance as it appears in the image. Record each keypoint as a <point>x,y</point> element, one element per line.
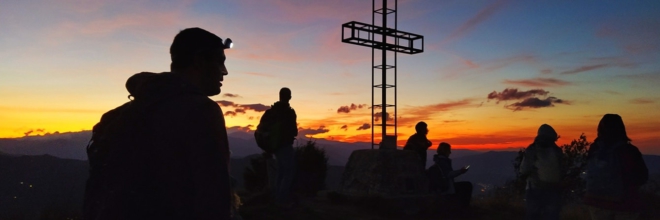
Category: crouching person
<point>441,176</point>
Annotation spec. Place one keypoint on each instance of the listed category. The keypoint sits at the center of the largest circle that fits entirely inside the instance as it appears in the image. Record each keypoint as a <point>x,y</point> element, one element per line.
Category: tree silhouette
<point>312,163</point>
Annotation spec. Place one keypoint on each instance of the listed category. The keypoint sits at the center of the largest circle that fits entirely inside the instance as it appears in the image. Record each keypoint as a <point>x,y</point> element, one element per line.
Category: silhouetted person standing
<point>418,142</point>
<point>282,118</point>
<point>541,166</point>
<point>164,155</point>
<point>442,179</point>
<point>615,171</point>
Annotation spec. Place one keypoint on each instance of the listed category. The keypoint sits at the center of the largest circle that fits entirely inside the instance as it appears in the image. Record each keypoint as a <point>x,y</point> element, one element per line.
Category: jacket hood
<point>279,104</point>
<point>146,85</point>
<point>437,158</point>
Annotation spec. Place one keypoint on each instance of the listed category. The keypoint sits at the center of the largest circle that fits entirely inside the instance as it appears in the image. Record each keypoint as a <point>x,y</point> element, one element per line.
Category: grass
<point>328,205</point>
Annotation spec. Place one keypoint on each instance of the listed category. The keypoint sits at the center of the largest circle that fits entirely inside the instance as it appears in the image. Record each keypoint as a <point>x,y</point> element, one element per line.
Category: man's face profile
<point>213,70</point>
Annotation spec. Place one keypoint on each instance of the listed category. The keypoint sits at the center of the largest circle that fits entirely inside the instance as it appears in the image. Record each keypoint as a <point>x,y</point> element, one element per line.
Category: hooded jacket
<point>183,134</point>
<point>448,172</point>
<point>420,144</point>
<point>634,174</point>
<point>542,161</point>
<point>287,116</point>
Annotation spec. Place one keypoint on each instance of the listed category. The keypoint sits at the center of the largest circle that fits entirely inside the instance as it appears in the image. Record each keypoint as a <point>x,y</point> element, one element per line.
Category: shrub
<point>256,175</point>
<point>312,164</point>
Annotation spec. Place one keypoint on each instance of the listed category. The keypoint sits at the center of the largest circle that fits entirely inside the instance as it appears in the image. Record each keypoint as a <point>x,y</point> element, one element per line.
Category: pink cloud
<point>413,115</point>
<point>585,68</point>
<point>637,36</point>
<point>305,12</point>
<point>364,126</point>
<point>351,107</point>
<point>538,82</point>
<point>642,101</point>
<point>473,22</point>
<point>259,74</point>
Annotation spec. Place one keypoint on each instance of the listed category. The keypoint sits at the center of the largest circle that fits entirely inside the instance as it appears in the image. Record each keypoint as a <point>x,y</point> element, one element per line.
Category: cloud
<point>612,92</point>
<point>304,132</point>
<point>247,128</point>
<point>642,101</point>
<point>538,82</point>
<point>255,107</point>
<point>259,74</point>
<point>225,103</point>
<point>472,23</point>
<point>514,94</point>
<point>585,68</point>
<point>349,108</point>
<point>529,98</point>
<point>535,102</point>
<point>379,115</point>
<point>344,127</point>
<point>467,67</point>
<point>546,71</point>
<point>486,140</point>
<point>453,121</point>
<point>241,108</point>
<point>231,95</point>
<point>413,115</point>
<point>634,35</point>
<point>364,126</point>
<point>230,113</point>
<point>38,131</point>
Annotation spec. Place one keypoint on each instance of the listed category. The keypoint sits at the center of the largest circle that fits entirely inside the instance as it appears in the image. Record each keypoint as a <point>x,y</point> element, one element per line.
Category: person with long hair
<point>615,172</point>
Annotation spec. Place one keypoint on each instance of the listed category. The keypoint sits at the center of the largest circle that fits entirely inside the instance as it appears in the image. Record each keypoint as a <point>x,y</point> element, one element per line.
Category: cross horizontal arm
<point>363,34</point>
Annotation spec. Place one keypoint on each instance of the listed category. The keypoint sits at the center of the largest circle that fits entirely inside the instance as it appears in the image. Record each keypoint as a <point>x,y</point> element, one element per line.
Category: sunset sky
<point>492,71</point>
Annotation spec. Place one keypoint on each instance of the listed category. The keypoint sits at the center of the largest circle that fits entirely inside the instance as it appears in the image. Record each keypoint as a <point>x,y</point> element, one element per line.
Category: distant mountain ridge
<point>31,184</point>
<point>486,168</point>
<point>71,145</point>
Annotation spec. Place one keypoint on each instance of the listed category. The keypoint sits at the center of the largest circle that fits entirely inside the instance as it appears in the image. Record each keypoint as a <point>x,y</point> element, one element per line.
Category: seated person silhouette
<point>441,176</point>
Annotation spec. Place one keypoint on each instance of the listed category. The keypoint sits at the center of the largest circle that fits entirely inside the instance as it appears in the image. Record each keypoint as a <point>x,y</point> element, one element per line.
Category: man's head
<point>421,128</point>
<point>199,55</point>
<point>285,94</point>
<point>444,149</point>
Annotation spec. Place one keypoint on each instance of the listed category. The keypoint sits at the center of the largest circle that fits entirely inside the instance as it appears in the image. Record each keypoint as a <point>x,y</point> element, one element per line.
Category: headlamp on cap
<point>228,43</point>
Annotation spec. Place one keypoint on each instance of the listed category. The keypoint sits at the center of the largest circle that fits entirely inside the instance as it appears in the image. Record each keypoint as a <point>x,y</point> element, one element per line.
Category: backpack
<point>438,182</point>
<point>118,177</point>
<point>548,165</point>
<point>605,173</point>
<point>268,133</point>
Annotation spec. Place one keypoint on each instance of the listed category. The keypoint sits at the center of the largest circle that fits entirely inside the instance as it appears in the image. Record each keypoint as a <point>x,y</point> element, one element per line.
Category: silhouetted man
<point>284,117</point>
<point>418,142</point>
<point>164,155</point>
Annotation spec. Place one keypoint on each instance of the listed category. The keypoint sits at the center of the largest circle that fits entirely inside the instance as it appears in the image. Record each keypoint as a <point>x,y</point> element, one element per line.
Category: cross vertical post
<point>391,40</point>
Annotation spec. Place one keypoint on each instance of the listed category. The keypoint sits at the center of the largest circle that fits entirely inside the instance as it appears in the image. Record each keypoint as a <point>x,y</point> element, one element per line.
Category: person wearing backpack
<point>164,154</point>
<point>275,134</point>
<point>419,143</point>
<point>541,165</point>
<point>441,178</point>
<point>615,171</point>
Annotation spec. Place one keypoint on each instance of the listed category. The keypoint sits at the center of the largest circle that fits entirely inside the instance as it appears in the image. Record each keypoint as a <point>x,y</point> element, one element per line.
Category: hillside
<point>57,184</point>
<point>31,184</point>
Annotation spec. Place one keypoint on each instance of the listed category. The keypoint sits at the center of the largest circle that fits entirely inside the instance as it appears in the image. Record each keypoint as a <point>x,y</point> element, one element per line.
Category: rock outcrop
<point>384,173</point>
